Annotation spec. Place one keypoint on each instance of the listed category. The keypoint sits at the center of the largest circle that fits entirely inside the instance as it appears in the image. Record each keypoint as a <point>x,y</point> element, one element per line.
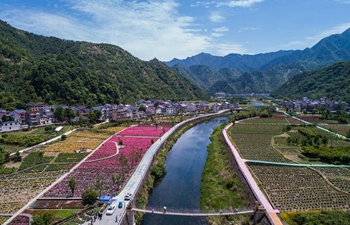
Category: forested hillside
<point>35,68</point>
<point>327,82</point>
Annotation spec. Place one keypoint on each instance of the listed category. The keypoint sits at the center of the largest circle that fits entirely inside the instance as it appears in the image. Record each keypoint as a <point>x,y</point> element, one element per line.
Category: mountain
<point>327,51</point>
<point>236,61</point>
<point>265,72</point>
<point>34,68</point>
<point>326,82</point>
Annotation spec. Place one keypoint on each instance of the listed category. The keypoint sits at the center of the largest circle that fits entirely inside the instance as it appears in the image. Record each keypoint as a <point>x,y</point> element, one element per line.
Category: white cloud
<point>239,3</point>
<point>225,49</point>
<point>248,29</point>
<point>343,1</point>
<point>216,17</point>
<point>221,29</point>
<point>312,40</point>
<point>334,30</point>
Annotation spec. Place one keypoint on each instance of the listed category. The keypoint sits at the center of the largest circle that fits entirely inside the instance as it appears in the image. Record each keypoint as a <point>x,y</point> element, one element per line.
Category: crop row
<point>18,189</point>
<point>254,140</point>
<point>114,129</point>
<point>295,134</point>
<point>94,134</point>
<point>109,167</point>
<point>152,131</point>
<point>73,144</point>
<point>298,189</point>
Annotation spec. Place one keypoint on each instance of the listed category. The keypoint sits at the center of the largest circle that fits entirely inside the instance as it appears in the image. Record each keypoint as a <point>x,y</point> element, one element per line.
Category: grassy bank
<point>222,188</point>
<point>143,194</point>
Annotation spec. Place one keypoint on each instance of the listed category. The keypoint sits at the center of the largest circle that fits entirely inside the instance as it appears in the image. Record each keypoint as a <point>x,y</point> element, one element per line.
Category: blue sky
<point>167,29</point>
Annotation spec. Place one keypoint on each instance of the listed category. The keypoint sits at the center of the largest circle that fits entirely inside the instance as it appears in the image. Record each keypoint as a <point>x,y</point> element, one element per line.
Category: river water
<point>180,188</point>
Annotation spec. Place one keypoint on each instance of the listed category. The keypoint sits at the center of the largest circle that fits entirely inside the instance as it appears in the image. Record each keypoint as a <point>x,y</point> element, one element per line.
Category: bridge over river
<point>193,213</point>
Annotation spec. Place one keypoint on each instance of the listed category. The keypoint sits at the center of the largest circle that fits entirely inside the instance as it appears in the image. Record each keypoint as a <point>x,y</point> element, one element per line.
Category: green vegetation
<point>330,81</point>
<point>221,187</point>
<point>34,159</point>
<point>89,196</point>
<point>43,219</point>
<point>317,218</point>
<point>51,70</point>
<point>333,155</point>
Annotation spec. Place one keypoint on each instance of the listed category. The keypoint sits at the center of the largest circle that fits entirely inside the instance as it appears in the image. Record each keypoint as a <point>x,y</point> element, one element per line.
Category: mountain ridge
<point>35,68</point>
<point>276,68</point>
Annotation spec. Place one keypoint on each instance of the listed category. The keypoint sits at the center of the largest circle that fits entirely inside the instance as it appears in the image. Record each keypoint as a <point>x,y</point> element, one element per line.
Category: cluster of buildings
<point>310,105</point>
<point>41,114</point>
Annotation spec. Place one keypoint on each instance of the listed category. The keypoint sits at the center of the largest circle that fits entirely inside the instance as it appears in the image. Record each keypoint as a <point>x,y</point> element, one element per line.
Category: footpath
<point>271,213</point>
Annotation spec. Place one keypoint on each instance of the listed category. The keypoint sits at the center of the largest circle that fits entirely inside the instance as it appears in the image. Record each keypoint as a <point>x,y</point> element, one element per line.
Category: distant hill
<point>329,82</point>
<point>264,72</point>
<point>236,61</point>
<point>34,68</point>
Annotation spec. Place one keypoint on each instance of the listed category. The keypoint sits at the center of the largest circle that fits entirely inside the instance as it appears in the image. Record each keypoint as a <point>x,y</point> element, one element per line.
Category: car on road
<point>120,204</point>
<point>111,209</point>
<point>127,197</point>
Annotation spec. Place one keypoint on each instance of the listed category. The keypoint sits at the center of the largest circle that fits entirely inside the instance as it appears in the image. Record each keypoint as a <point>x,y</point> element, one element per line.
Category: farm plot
<point>149,131</point>
<point>253,138</point>
<point>342,129</point>
<point>298,189</point>
<point>339,177</point>
<point>18,189</point>
<point>109,167</point>
<point>79,140</point>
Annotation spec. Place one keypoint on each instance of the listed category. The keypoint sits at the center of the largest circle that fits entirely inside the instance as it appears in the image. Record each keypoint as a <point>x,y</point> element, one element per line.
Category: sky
<point>167,29</point>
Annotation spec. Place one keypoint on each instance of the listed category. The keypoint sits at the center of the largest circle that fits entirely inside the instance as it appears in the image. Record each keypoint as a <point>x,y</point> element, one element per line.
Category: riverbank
<point>159,163</point>
<point>223,187</point>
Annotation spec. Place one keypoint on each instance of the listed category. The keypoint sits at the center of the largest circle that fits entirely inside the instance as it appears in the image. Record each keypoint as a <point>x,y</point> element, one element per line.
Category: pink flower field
<point>109,167</point>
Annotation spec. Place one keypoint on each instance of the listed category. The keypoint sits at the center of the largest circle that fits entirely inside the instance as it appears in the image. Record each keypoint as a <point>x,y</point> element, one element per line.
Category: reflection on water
<point>180,188</point>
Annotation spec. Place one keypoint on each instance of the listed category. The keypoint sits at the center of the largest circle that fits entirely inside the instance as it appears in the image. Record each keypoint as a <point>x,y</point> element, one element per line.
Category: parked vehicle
<point>110,209</point>
<point>127,197</point>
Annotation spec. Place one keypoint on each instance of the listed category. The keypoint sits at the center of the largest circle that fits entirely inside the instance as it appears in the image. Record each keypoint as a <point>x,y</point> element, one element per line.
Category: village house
<point>32,118</point>
<point>171,110</point>
<point>19,115</point>
<point>11,126</point>
<point>191,107</point>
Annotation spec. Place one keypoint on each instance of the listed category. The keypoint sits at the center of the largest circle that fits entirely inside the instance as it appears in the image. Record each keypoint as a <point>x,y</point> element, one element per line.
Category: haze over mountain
<point>35,68</point>
<point>330,81</point>
<point>262,72</point>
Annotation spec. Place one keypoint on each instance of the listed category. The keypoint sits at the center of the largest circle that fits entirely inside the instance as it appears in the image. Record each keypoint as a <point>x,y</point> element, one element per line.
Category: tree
<point>72,185</point>
<point>94,115</point>
<point>69,113</point>
<point>99,185</point>
<point>63,137</point>
<point>89,197</point>
<point>17,157</point>
<point>42,219</point>
<point>59,114</point>
<point>142,108</point>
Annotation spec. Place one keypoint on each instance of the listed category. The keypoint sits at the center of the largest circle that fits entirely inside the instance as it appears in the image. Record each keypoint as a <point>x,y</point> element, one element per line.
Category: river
<point>180,188</point>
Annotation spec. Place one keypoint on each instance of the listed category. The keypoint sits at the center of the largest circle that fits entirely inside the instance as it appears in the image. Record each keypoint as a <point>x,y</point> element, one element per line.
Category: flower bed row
<point>110,166</point>
<point>145,131</point>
